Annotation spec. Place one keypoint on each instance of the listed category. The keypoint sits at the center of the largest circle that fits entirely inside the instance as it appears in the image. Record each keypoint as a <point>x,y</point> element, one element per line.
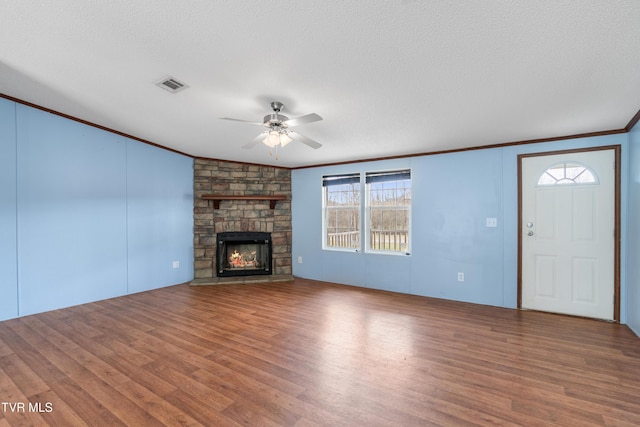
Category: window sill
<point>348,250</point>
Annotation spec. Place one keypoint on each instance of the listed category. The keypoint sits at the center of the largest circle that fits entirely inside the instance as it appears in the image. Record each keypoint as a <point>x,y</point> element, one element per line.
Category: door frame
<point>616,226</point>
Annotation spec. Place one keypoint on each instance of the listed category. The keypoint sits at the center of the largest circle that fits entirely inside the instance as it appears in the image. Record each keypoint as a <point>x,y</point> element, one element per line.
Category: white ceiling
<point>389,77</point>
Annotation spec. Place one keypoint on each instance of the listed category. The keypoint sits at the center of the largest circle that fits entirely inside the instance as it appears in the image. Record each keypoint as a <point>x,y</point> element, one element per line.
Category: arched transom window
<point>567,173</point>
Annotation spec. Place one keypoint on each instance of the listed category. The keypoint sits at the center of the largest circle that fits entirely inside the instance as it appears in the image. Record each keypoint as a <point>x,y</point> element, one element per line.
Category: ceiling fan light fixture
<point>284,139</point>
<point>266,142</point>
<point>275,138</point>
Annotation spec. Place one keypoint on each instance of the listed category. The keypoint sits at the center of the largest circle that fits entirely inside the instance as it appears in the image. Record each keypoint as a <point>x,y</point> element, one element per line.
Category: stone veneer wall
<point>224,178</point>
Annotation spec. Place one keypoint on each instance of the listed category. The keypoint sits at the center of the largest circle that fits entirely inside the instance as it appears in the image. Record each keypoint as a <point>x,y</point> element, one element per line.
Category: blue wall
<point>95,215</point>
<point>159,217</point>
<point>8,200</point>
<point>633,273</point>
<point>453,194</point>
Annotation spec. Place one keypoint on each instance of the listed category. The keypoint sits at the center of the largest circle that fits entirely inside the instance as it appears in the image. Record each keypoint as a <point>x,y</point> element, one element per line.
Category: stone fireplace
<point>248,211</point>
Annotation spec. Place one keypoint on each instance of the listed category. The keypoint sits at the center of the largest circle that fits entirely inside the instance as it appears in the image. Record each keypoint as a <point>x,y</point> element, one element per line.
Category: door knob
<point>530,233</point>
<point>529,224</point>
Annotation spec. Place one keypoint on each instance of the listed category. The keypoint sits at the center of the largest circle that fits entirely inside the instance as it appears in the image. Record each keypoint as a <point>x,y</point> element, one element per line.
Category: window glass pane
<point>547,179</point>
<point>557,172</point>
<point>389,199</point>
<point>571,172</point>
<point>585,177</point>
<point>342,216</point>
<point>567,174</point>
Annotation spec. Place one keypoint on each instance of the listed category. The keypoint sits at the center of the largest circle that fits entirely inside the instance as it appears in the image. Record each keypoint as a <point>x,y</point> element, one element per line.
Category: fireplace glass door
<point>243,254</point>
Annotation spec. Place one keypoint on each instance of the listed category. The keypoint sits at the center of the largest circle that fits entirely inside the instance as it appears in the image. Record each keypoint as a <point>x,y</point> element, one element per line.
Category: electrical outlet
<point>460,277</point>
<point>176,264</point>
<point>492,222</point>
<point>299,260</point>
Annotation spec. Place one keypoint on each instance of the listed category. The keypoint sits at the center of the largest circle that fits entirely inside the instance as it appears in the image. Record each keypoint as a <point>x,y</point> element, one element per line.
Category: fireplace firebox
<point>243,254</point>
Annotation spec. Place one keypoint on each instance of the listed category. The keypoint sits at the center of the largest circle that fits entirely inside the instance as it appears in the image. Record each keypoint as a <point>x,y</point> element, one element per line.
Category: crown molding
<point>632,122</point>
<point>85,122</point>
<point>626,129</point>
<point>479,147</point>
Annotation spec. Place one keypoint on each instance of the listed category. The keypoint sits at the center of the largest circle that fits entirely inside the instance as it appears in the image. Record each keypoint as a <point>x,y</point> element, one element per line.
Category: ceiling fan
<point>278,132</point>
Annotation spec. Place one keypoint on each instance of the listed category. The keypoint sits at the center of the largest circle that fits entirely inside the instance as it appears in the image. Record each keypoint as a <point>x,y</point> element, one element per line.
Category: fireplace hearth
<point>243,254</point>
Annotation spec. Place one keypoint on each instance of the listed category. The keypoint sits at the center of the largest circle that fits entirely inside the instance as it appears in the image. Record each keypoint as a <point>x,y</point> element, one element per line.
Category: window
<point>567,173</point>
<point>388,211</point>
<point>342,208</point>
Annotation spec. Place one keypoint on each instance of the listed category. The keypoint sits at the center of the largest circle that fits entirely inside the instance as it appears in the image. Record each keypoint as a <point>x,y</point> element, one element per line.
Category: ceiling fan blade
<point>306,141</point>
<point>255,141</point>
<point>239,120</point>
<point>307,118</point>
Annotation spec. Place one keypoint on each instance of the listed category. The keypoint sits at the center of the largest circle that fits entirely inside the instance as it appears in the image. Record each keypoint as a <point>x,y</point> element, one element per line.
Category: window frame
<point>334,180</point>
<point>386,176</point>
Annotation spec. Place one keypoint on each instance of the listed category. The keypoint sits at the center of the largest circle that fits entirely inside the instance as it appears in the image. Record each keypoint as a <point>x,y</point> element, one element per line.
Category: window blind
<point>350,178</point>
<point>371,177</point>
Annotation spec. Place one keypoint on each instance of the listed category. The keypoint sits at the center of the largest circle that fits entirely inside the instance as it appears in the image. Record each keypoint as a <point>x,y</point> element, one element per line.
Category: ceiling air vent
<point>170,84</point>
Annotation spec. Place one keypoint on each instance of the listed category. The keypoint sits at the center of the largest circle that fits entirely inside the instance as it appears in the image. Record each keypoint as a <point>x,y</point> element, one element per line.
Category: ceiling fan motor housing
<point>275,120</point>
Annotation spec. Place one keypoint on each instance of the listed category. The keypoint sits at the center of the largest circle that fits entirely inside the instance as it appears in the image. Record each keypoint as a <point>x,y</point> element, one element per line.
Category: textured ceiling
<point>389,77</point>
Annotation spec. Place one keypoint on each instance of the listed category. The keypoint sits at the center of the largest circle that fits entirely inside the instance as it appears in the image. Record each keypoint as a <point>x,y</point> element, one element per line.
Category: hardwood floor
<point>311,353</point>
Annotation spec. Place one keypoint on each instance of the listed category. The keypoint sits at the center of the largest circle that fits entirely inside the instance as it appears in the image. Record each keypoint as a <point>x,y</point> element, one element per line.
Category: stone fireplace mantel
<point>217,198</point>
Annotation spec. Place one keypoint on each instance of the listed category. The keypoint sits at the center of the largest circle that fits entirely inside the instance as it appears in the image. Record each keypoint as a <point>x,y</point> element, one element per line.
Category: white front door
<point>568,233</point>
